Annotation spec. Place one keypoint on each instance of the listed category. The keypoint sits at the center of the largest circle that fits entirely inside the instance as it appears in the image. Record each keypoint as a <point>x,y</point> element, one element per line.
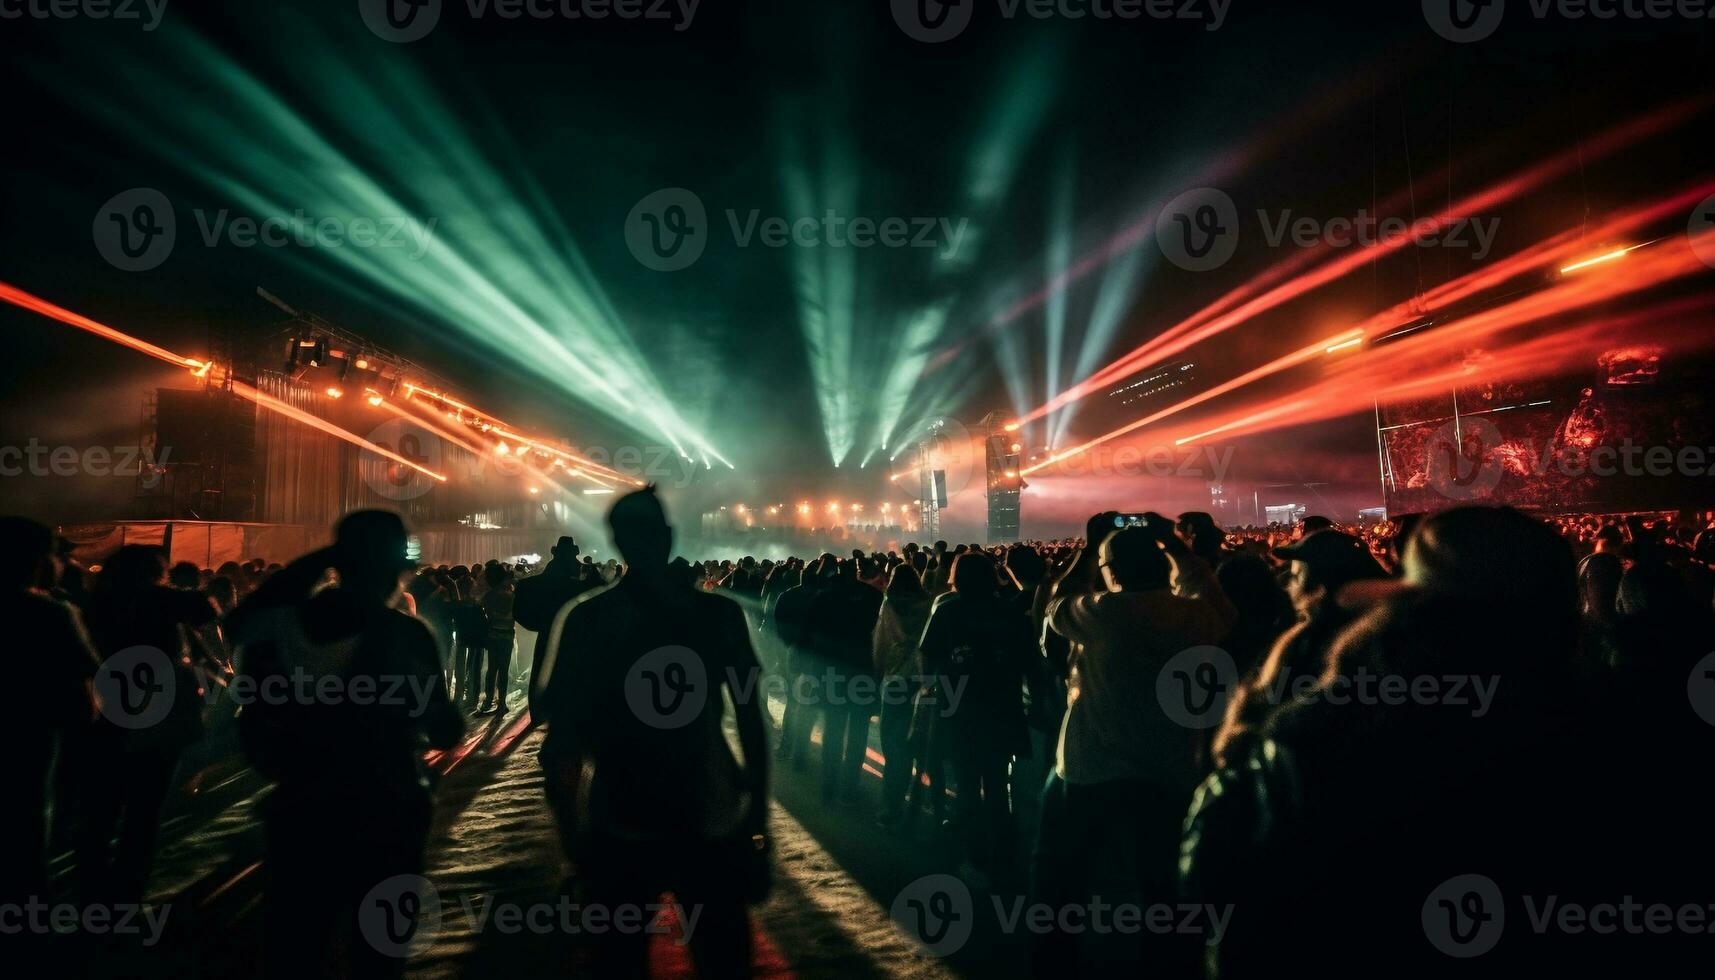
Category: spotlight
<point>335,391</point>
<point>1010,427</point>
<point>374,398</point>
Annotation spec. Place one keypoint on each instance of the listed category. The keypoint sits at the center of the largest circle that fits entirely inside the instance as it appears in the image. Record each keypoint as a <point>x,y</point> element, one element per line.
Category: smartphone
<point>1129,520</point>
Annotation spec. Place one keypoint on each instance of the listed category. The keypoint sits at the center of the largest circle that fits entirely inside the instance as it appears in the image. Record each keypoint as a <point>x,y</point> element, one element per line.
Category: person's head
<point>1131,560</point>
<point>26,554</point>
<point>903,582</point>
<point>565,549</point>
<point>1314,523</point>
<point>1026,564</point>
<point>640,529</point>
<point>1610,538</point>
<point>496,576</point>
<point>184,575</point>
<point>371,553</point>
<point>1323,563</point>
<point>132,567</point>
<point>974,574</point>
<point>1200,532</point>
<point>1493,558</point>
<point>223,591</point>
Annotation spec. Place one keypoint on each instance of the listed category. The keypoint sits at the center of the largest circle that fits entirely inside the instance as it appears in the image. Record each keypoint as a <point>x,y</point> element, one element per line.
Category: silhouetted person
<point>843,618</point>
<point>975,649</point>
<point>636,698</point>
<point>50,671</point>
<point>904,613</point>
<point>500,638</point>
<point>125,762</point>
<point>794,622</point>
<point>1122,750</point>
<point>539,598</point>
<point>352,806</point>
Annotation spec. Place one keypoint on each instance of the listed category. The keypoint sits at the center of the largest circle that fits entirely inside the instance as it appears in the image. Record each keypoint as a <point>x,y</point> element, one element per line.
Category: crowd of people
<point>1314,726</point>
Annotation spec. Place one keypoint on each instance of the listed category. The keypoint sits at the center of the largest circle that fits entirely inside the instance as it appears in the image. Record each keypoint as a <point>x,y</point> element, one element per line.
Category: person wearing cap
<point>1320,565</point>
<point>540,597</point>
<point>356,751</point>
<point>634,705</point>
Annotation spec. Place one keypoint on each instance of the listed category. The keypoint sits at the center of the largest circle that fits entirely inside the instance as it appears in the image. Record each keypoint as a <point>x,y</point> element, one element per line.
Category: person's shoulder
<point>592,600</point>
<point>402,625</point>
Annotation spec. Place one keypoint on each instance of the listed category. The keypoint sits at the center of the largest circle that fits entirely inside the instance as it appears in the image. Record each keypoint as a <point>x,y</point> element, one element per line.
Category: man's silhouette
<point>539,598</point>
<point>52,674</point>
<point>632,693</point>
<point>352,805</point>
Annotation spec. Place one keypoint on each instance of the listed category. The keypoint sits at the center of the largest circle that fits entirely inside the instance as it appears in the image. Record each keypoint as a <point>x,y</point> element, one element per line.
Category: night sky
<point>1015,125</point>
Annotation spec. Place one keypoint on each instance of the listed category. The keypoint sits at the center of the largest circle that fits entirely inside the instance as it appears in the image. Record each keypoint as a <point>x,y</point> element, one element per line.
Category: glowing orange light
<point>335,391</point>
<point>1011,427</point>
<point>1355,341</point>
<point>1618,253</point>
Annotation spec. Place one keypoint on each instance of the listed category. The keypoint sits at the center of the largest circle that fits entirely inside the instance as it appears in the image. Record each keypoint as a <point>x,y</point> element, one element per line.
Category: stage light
<point>361,364</point>
<point>374,398</point>
<point>739,508</point>
<point>1017,447</point>
<point>502,449</point>
<point>857,508</point>
<point>335,391</point>
<point>1355,341</point>
<point>492,264</point>
<point>833,506</point>
<point>886,507</point>
<point>804,509</point>
<point>535,490</point>
<point>597,491</point>
<point>1010,427</point>
<point>1010,474</point>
